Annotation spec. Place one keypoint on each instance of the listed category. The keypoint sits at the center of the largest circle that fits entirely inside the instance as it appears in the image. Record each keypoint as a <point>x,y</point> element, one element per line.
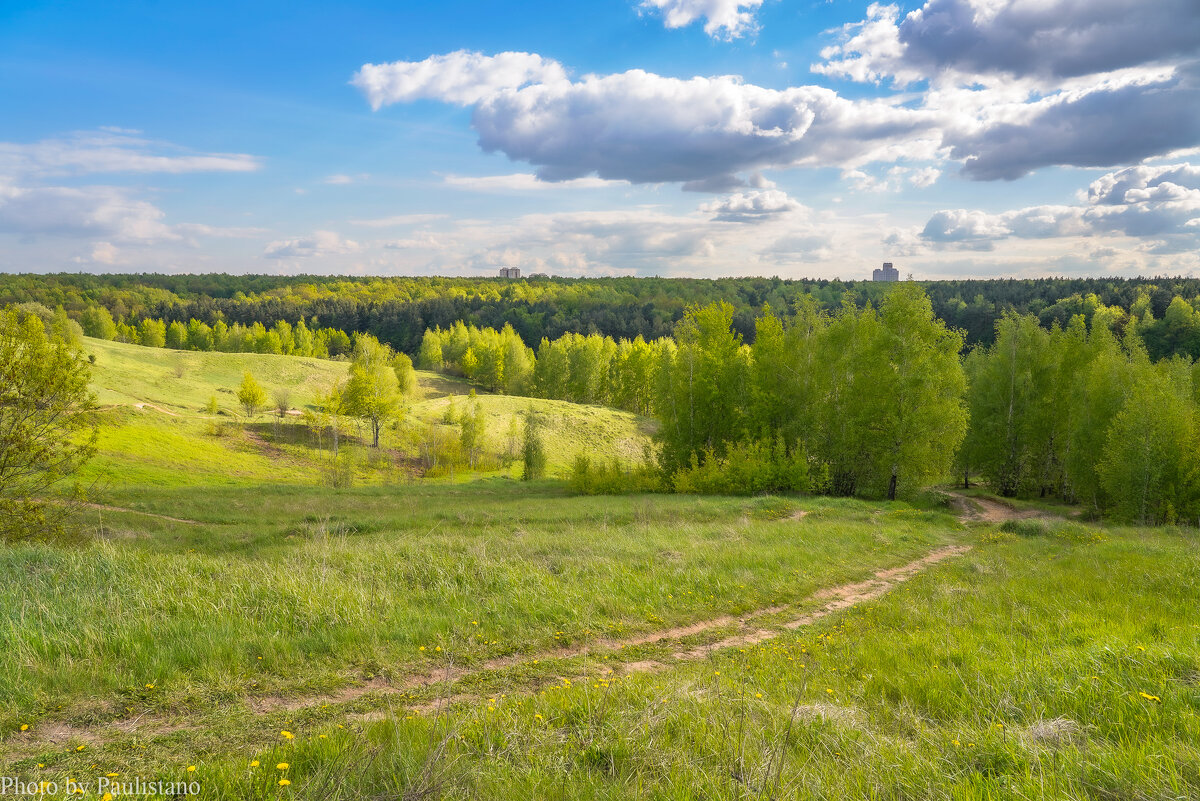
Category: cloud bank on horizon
<point>918,135</point>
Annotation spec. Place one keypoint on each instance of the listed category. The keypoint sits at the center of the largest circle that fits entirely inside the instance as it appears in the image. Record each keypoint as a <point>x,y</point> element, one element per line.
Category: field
<point>232,620</point>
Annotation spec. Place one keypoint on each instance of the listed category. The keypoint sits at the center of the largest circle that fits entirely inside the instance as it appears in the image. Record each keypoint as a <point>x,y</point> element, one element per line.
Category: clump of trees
<point>47,430</point>
<point>861,402</point>
<point>1081,414</point>
<point>282,338</point>
<point>575,367</point>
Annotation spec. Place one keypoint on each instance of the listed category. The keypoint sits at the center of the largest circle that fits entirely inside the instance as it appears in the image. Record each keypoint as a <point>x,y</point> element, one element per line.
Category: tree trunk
<point>892,486</point>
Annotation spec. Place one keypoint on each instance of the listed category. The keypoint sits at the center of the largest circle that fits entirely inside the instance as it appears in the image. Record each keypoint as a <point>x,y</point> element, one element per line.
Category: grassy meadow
<point>230,619</point>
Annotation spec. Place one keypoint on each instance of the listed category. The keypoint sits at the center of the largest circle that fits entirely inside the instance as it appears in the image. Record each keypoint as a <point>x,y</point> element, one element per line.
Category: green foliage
<point>98,322</point>
<point>47,431</point>
<point>373,391</point>
<point>596,477</point>
<point>471,425</point>
<point>1079,415</point>
<point>533,448</point>
<point>873,399</point>
<point>748,468</point>
<point>251,396</point>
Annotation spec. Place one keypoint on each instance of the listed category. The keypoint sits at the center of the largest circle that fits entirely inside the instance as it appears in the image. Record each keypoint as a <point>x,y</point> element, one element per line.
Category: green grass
<point>180,444</point>
<point>1055,659</point>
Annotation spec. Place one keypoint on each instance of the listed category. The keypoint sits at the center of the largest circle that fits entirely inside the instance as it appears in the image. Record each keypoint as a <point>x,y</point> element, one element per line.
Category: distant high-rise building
<point>510,272</point>
<point>888,273</point>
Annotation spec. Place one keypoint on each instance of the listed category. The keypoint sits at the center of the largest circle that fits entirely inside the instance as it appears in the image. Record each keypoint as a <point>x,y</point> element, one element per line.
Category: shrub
<point>613,478</point>
<point>746,469</point>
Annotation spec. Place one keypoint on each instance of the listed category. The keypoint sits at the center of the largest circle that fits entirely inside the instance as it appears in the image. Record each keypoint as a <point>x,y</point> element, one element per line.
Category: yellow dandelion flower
<point>80,748</point>
<point>287,735</point>
<point>107,775</point>
<point>254,764</point>
<point>758,695</point>
<point>438,648</point>
<point>422,648</point>
<point>322,736</point>
<point>829,691</point>
<point>537,717</point>
<point>24,727</point>
<point>106,797</point>
<point>284,782</point>
<point>149,686</point>
<point>1150,697</point>
<point>191,769</point>
<point>282,766</point>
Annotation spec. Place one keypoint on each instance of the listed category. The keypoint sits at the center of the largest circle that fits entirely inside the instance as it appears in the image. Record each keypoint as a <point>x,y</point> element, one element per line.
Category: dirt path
<point>106,508</point>
<point>144,405</point>
<point>985,510</point>
<point>835,599</point>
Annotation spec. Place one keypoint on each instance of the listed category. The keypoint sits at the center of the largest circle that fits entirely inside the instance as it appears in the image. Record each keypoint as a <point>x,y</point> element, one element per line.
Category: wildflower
<point>1150,697</point>
<point>107,775</point>
<point>254,764</point>
<point>474,622</point>
<point>149,686</point>
<point>537,717</point>
<point>829,691</point>
<point>322,736</point>
<point>191,769</point>
<point>24,727</point>
<point>281,766</point>
<point>422,648</point>
<point>758,695</point>
<point>716,673</point>
<point>284,782</point>
<point>287,735</point>
<point>80,748</point>
<point>438,648</point>
<point>106,797</point>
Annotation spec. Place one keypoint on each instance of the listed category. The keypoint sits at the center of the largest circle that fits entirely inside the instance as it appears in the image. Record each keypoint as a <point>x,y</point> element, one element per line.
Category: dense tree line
<point>578,368</point>
<point>876,401</point>
<point>281,338</point>
<point>399,310</point>
<point>1079,414</point>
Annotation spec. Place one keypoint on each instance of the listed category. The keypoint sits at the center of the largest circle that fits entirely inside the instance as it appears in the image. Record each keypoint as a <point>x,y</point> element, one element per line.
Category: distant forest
<point>399,310</point>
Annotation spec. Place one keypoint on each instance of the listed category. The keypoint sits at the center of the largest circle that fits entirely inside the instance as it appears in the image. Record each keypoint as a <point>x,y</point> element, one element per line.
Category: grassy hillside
<point>156,430</point>
<point>230,620</point>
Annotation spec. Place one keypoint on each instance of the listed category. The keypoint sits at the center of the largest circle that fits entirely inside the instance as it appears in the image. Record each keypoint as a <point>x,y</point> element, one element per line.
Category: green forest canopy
<point>399,310</point>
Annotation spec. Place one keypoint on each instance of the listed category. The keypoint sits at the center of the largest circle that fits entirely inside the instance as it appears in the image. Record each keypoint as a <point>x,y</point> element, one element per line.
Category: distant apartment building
<point>888,273</point>
<point>513,272</point>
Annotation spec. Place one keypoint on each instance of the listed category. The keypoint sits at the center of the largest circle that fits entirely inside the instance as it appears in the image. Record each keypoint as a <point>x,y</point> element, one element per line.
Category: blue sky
<point>668,137</point>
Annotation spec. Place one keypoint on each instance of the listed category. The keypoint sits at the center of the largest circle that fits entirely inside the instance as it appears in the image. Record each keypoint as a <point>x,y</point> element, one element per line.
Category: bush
<point>614,478</point>
<point>746,469</point>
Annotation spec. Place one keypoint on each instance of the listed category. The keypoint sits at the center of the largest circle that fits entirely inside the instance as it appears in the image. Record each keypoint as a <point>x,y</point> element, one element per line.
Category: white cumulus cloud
<point>752,206</point>
<point>461,77</point>
<point>722,18</point>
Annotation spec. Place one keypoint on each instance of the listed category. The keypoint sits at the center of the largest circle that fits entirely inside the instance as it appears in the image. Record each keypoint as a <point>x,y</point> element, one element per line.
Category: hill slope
<point>156,430</point>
